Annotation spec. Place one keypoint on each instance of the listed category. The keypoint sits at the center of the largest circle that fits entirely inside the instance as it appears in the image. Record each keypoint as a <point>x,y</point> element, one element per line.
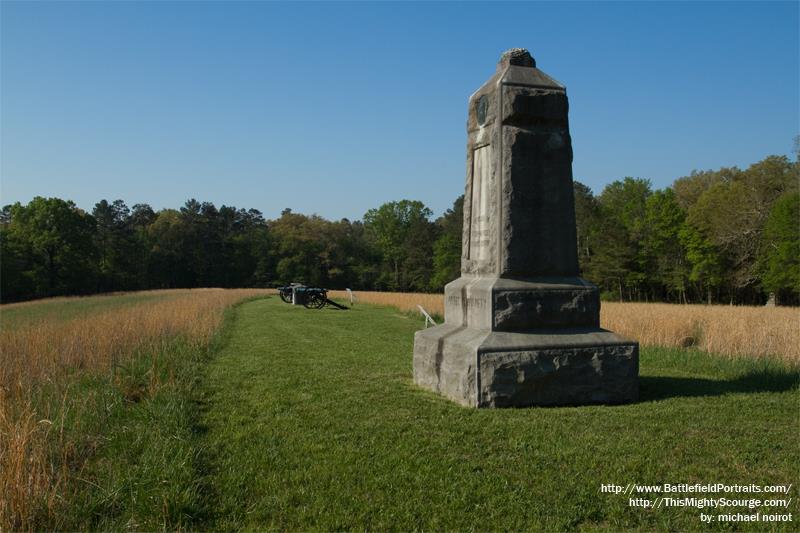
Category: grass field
<point>77,371</point>
<point>310,420</point>
<point>68,308</point>
<point>293,419</point>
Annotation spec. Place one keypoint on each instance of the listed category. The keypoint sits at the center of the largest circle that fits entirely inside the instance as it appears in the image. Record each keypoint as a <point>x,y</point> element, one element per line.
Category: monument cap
<point>518,57</point>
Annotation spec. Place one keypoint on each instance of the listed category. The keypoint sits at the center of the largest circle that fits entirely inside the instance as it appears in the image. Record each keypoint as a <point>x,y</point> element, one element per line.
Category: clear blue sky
<point>334,108</point>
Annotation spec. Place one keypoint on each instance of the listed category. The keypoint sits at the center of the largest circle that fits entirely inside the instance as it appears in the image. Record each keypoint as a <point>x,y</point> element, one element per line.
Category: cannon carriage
<point>310,297</point>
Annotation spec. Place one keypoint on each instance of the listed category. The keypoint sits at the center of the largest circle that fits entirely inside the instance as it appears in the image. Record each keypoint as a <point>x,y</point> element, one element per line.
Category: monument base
<point>483,368</point>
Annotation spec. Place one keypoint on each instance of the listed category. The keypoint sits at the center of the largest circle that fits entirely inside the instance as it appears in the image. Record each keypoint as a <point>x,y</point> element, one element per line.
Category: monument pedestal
<point>503,369</point>
<point>517,343</point>
<point>521,328</point>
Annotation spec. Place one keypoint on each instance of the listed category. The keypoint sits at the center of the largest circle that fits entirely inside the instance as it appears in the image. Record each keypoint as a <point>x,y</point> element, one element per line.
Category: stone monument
<point>521,328</point>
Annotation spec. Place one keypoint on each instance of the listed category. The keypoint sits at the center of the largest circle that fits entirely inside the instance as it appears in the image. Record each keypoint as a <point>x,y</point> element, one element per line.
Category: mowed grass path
<point>310,420</point>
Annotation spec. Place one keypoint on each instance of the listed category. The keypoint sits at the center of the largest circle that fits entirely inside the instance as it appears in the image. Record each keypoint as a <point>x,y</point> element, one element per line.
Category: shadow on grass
<point>654,388</point>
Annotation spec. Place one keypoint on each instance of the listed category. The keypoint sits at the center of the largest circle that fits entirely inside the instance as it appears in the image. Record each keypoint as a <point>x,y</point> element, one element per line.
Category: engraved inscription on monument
<point>470,301</point>
<point>479,223</point>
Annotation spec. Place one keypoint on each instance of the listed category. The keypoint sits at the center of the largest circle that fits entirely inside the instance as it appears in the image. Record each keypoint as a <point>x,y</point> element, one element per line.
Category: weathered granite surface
<point>521,328</point>
<point>481,368</point>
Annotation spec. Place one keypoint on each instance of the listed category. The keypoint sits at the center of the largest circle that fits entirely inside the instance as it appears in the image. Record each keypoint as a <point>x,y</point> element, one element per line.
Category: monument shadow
<point>655,388</point>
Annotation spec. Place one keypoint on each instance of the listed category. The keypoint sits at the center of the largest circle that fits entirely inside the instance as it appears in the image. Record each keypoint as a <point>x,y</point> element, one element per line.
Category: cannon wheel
<point>316,301</point>
<point>286,296</point>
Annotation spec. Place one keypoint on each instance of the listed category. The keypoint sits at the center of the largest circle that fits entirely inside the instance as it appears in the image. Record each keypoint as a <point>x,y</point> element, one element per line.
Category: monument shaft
<point>521,328</point>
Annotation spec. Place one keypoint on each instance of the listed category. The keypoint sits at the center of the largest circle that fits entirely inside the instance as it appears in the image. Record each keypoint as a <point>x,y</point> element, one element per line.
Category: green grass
<point>128,437</point>
<point>299,419</point>
<point>61,309</point>
<point>309,420</point>
<point>131,448</point>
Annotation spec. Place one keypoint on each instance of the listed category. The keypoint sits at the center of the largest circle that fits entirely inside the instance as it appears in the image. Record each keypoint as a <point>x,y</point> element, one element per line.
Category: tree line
<point>723,236</point>
<point>728,235</point>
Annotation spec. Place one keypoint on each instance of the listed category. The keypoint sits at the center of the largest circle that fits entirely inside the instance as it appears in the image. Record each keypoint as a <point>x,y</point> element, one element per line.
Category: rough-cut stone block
<point>559,376</point>
<point>501,369</point>
<point>534,309</point>
<point>445,361</point>
<point>539,210</point>
<point>503,304</point>
<point>527,107</point>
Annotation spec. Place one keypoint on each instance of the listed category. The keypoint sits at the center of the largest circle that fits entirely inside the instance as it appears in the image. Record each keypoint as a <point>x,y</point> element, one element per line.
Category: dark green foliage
<point>780,255</point>
<point>119,250</point>
<point>50,249</point>
<point>447,248</point>
<point>587,216</point>
<point>664,256</point>
<point>618,229</point>
<point>315,251</point>
<point>689,188</point>
<point>730,216</point>
<point>703,239</point>
<point>707,270</point>
<point>166,237</point>
<point>714,236</point>
<point>404,235</point>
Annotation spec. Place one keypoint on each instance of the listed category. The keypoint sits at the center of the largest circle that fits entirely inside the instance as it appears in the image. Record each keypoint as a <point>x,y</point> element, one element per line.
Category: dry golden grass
<point>404,301</point>
<point>48,349</point>
<point>726,330</point>
<point>735,331</point>
<point>40,350</point>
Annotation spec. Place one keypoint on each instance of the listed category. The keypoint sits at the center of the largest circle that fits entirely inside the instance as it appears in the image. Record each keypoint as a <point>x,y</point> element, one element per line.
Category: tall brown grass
<point>34,455</point>
<point>404,301</point>
<point>734,331</point>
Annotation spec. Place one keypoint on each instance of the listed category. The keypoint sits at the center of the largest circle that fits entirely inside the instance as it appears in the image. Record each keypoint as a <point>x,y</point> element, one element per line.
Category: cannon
<point>287,292</point>
<point>311,297</point>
